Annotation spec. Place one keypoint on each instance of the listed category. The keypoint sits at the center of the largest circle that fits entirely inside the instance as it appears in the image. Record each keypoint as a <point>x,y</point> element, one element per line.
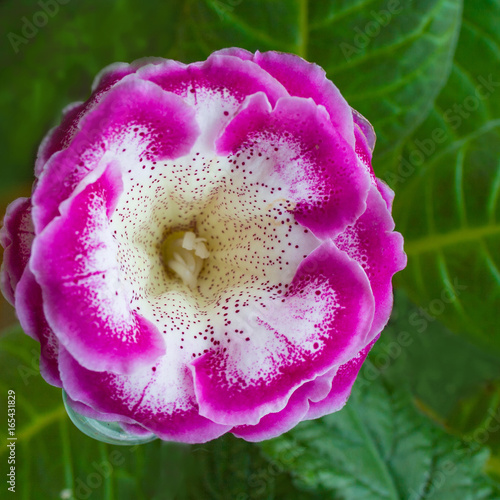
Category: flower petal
<point>255,163</point>
<point>110,75</point>
<point>275,424</point>
<point>363,152</point>
<point>85,299</point>
<point>215,88</point>
<point>366,128</point>
<point>386,192</point>
<point>16,237</point>
<point>29,307</point>
<point>320,172</point>
<point>135,120</point>
<point>304,79</point>
<point>158,397</point>
<point>372,243</point>
<point>243,54</point>
<point>60,137</point>
<point>341,387</point>
<point>321,321</point>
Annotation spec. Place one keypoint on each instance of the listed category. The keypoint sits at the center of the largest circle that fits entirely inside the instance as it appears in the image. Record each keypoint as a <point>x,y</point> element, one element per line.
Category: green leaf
<point>380,447</point>
<point>417,348</point>
<point>394,79</point>
<point>448,183</point>
<point>477,417</point>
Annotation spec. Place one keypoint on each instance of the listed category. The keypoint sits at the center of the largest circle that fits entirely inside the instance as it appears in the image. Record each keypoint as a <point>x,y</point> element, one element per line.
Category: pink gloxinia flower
<point>206,249</point>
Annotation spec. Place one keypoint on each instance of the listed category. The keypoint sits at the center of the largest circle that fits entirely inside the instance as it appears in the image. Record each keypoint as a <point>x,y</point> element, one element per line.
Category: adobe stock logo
<point>421,149</point>
<point>371,29</point>
<point>31,27</point>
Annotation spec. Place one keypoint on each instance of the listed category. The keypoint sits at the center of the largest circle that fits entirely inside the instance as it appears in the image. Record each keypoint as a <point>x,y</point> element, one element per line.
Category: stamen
<point>184,253</point>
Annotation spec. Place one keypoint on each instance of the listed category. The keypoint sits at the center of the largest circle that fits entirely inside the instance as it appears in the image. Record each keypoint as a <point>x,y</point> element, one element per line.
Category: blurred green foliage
<point>425,73</point>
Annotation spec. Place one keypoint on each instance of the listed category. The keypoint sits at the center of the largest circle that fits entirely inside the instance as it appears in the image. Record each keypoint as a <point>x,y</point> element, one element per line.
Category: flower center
<point>183,254</point>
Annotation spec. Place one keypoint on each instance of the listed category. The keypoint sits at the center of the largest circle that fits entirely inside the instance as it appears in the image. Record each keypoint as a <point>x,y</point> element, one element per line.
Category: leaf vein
<point>430,243</point>
<point>493,198</point>
<point>490,262</point>
<point>459,187</point>
<point>420,30</point>
<point>483,35</point>
<point>337,16</point>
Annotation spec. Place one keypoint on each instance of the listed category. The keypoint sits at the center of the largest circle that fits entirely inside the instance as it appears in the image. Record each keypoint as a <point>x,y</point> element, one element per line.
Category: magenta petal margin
<point>206,248</point>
